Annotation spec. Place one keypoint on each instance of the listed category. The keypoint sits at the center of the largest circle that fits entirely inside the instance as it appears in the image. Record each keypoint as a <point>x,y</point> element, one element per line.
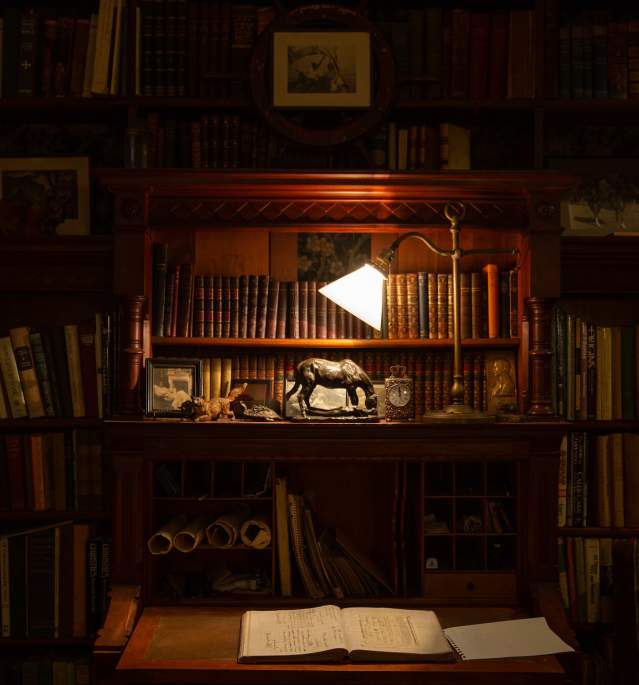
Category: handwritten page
<point>292,632</point>
<point>399,631</point>
<point>502,639</point>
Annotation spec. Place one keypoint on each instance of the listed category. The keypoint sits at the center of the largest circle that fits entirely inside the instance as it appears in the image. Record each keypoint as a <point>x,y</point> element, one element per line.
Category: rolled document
<point>162,541</point>
<point>191,534</point>
<point>225,530</point>
<point>256,532</point>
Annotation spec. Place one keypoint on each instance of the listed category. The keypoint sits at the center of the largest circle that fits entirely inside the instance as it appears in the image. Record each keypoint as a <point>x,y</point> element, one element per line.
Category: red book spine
<point>244,365</point>
<point>331,319</point>
<point>293,310</point>
<point>311,308</point>
<point>429,382</point>
<point>226,307</point>
<point>433,331</point>
<point>16,471</point>
<point>262,305</point>
<point>412,305</point>
<point>449,303</point>
<point>252,366</point>
<point>513,277</point>
<point>476,304</point>
<point>209,290</point>
<point>243,306</point>
<point>303,305</point>
<point>200,315</point>
<point>86,338</point>
<point>402,306</point>
<point>282,310</point>
<point>479,41</point>
<point>492,286</point>
<point>218,298</point>
<point>235,307</point>
<point>252,306</point>
<point>273,300</point>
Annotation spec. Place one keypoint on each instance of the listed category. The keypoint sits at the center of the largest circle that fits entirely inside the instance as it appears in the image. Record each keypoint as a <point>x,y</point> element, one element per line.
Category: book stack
<point>65,371</point>
<point>51,471</point>
<point>54,582</point>
<point>598,479</point>
<point>595,369</point>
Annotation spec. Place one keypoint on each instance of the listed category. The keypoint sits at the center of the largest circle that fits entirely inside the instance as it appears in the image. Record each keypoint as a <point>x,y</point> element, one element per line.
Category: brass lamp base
<point>458,413</point>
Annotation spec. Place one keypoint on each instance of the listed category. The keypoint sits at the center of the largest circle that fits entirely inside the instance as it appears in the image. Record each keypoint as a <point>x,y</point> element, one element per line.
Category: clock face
<point>399,395</point>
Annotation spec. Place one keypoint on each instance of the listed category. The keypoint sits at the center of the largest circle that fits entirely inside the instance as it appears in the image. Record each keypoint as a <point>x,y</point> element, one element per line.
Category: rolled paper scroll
<point>162,541</point>
<point>225,530</point>
<point>256,532</point>
<point>191,534</point>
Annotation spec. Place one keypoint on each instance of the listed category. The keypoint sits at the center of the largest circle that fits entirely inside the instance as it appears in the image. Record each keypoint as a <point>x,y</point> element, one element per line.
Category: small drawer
<point>488,588</point>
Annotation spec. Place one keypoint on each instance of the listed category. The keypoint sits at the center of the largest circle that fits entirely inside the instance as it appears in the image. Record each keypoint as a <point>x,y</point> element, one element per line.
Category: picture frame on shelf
<point>501,382</point>
<point>321,69</point>
<point>43,196</point>
<point>257,391</point>
<point>169,383</point>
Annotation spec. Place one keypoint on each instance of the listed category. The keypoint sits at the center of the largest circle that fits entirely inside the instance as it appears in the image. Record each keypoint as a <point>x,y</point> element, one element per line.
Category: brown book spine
<point>420,381</point>
<point>159,65</point>
<point>148,25</point>
<point>244,365</point>
<point>521,63</point>
<point>618,60</point>
<point>224,54</point>
<point>303,308</point>
<point>203,41</point>
<point>478,381</point>
<point>252,366</point>
<point>225,160</point>
<point>475,304</point>
<point>442,306</point>
<point>331,319</point>
<point>321,313</point>
<point>293,309</point>
<point>466,313</point>
<point>252,306</point>
<point>235,307</point>
<point>261,368</point>
<point>208,306</point>
<point>391,306</point>
<point>174,308</point>
<point>15,471</point>
<point>513,277</point>
<point>196,153</point>
<point>271,314</point>
<point>204,142</point>
<point>200,308</point>
<point>211,65</point>
<point>499,56</point>
<point>214,142</point>
<point>433,330</point>
<point>243,306</point>
<point>170,40</point>
<point>234,133</point>
<point>449,304</point>
<point>341,323</point>
<point>492,288</point>
<point>479,50</point>
<point>278,385</point>
<point>180,47</point>
<point>447,378</point>
<point>358,328</point>
<point>244,32</point>
<point>468,379</point>
<point>218,313</point>
<point>168,302</point>
<point>438,398</point>
<point>413,147</point>
<point>262,305</point>
<point>48,53</point>
<point>311,308</point>
<point>412,301</point>
<point>79,57</point>
<point>86,339</point>
<point>282,310</point>
<point>459,53</point>
<point>350,325</point>
<point>402,306</point>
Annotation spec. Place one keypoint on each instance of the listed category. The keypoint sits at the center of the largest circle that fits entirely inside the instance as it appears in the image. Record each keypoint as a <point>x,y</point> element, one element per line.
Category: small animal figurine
<point>201,410</point>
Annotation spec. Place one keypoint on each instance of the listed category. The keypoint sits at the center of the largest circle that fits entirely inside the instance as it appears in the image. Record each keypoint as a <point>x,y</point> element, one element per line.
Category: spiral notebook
<point>504,639</point>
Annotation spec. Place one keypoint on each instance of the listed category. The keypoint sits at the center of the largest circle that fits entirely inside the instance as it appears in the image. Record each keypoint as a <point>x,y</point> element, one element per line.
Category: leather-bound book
<point>293,310</point>
<point>204,142</point>
<point>211,65</point>
<point>159,57</point>
<point>199,317</point>
<point>28,78</point>
<point>244,19</point>
<point>271,313</point>
<point>331,319</point>
<point>513,295</point>
<point>311,309</point>
<point>492,288</point>
<point>350,325</point>
<point>225,138</point>
<point>465,314</point>
<point>498,58</point>
<point>196,149</point>
<point>340,322</point>
<point>449,304</point>
<point>234,135</point>
<point>160,257</point>
<point>209,306</point>
<point>170,39</point>
<point>42,372</point>
<point>26,370</point>
<point>226,307</point>
<point>192,49</point>
<point>475,304</point>
<point>521,62</point>
<point>252,306</point>
<point>468,379</point>
<point>282,310</point>
<point>447,377</point>
<point>278,386</point>
<point>262,305</point>
<point>79,57</point>
<point>214,142</point>
<point>422,303</point>
<point>442,306</point>
<point>146,56</point>
<point>402,306</point>
<point>243,298</point>
<point>55,383</point>
<point>252,366</point>
<point>479,50</point>
<point>358,328</point>
<point>185,294</point>
<point>433,322</point>
<point>169,296</point>
<point>478,382</point>
<point>391,306</point>
<point>420,383</point>
<point>204,39</point>
<point>224,54</point>
<point>15,469</point>
<point>218,300</point>
<point>41,590</point>
<point>412,305</point>
<point>321,313</point>
<point>180,47</point>
<point>459,53</point>
<point>504,304</point>
<point>235,307</point>
<point>617,60</point>
<point>59,347</point>
<point>86,339</point>
<point>49,41</point>
<point>303,308</point>
<point>438,398</point>
<point>72,343</point>
<point>591,371</point>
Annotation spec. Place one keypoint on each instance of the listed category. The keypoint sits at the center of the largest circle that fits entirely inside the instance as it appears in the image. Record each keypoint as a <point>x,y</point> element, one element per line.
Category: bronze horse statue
<point>343,374</point>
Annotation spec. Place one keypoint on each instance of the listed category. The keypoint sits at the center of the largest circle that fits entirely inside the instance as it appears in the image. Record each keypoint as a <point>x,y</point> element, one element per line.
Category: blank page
<point>503,639</point>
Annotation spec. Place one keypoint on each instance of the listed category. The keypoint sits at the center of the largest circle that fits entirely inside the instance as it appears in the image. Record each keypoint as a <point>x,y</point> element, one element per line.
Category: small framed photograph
<point>169,383</point>
<point>321,69</point>
<point>45,196</point>
<point>258,391</point>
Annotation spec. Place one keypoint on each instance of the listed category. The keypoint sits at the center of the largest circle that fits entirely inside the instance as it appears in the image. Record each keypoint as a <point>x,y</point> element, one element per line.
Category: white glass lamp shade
<point>359,293</point>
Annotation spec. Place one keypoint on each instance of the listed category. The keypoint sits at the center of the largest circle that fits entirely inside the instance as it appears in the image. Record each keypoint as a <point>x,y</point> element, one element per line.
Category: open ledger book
<point>328,633</point>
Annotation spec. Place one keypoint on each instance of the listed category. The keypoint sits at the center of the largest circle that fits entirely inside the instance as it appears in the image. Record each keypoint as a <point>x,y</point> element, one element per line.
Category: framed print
<point>169,383</point>
<point>47,195</point>
<point>321,69</point>
<point>259,391</point>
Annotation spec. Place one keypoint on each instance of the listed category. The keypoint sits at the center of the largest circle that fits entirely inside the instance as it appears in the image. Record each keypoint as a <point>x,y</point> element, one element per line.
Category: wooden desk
<point>183,645</point>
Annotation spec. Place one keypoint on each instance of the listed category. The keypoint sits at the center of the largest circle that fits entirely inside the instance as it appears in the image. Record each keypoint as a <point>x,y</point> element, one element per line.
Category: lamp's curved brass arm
<point>388,254</point>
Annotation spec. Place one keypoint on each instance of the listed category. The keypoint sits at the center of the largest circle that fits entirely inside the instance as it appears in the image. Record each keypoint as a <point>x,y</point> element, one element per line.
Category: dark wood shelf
<point>616,426</point>
<point>48,424</point>
<point>466,104</point>
<point>599,532</point>
<point>212,499</point>
<point>50,515</point>
<point>110,103</point>
<point>332,343</point>
<point>28,643</point>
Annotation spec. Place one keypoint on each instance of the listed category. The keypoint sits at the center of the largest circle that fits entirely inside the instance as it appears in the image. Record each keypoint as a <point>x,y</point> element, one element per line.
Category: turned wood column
<point>540,356</point>
<point>131,356</point>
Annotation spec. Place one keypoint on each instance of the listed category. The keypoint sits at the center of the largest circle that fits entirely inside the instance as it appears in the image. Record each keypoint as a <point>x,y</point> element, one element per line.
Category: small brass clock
<point>400,400</point>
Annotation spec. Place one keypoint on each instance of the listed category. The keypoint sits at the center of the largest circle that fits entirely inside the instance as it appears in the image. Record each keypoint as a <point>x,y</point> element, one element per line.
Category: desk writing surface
<point>199,645</point>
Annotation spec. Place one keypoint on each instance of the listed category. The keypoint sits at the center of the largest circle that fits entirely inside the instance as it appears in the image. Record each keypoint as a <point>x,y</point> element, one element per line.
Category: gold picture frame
<point>45,196</point>
<point>321,69</point>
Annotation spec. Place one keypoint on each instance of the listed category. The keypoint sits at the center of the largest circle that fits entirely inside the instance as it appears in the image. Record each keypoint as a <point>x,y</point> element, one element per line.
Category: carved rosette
<point>132,355</point>
<point>540,356</point>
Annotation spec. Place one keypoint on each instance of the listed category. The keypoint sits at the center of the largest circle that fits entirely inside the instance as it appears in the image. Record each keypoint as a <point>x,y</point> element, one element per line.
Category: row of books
<point>431,372</point>
<point>51,55</point>
<point>61,371</point>
<point>46,670</point>
<point>598,480</point>
<point>54,582</point>
<point>586,577</point>
<point>51,471</point>
<point>598,57</point>
<point>594,369</point>
<point>466,54</point>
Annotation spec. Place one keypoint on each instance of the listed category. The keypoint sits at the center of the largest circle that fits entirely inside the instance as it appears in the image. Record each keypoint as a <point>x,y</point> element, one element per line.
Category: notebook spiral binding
<point>455,647</point>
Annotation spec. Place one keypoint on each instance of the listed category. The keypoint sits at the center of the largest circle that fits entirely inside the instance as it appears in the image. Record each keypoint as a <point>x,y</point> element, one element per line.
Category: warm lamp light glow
<point>359,293</point>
